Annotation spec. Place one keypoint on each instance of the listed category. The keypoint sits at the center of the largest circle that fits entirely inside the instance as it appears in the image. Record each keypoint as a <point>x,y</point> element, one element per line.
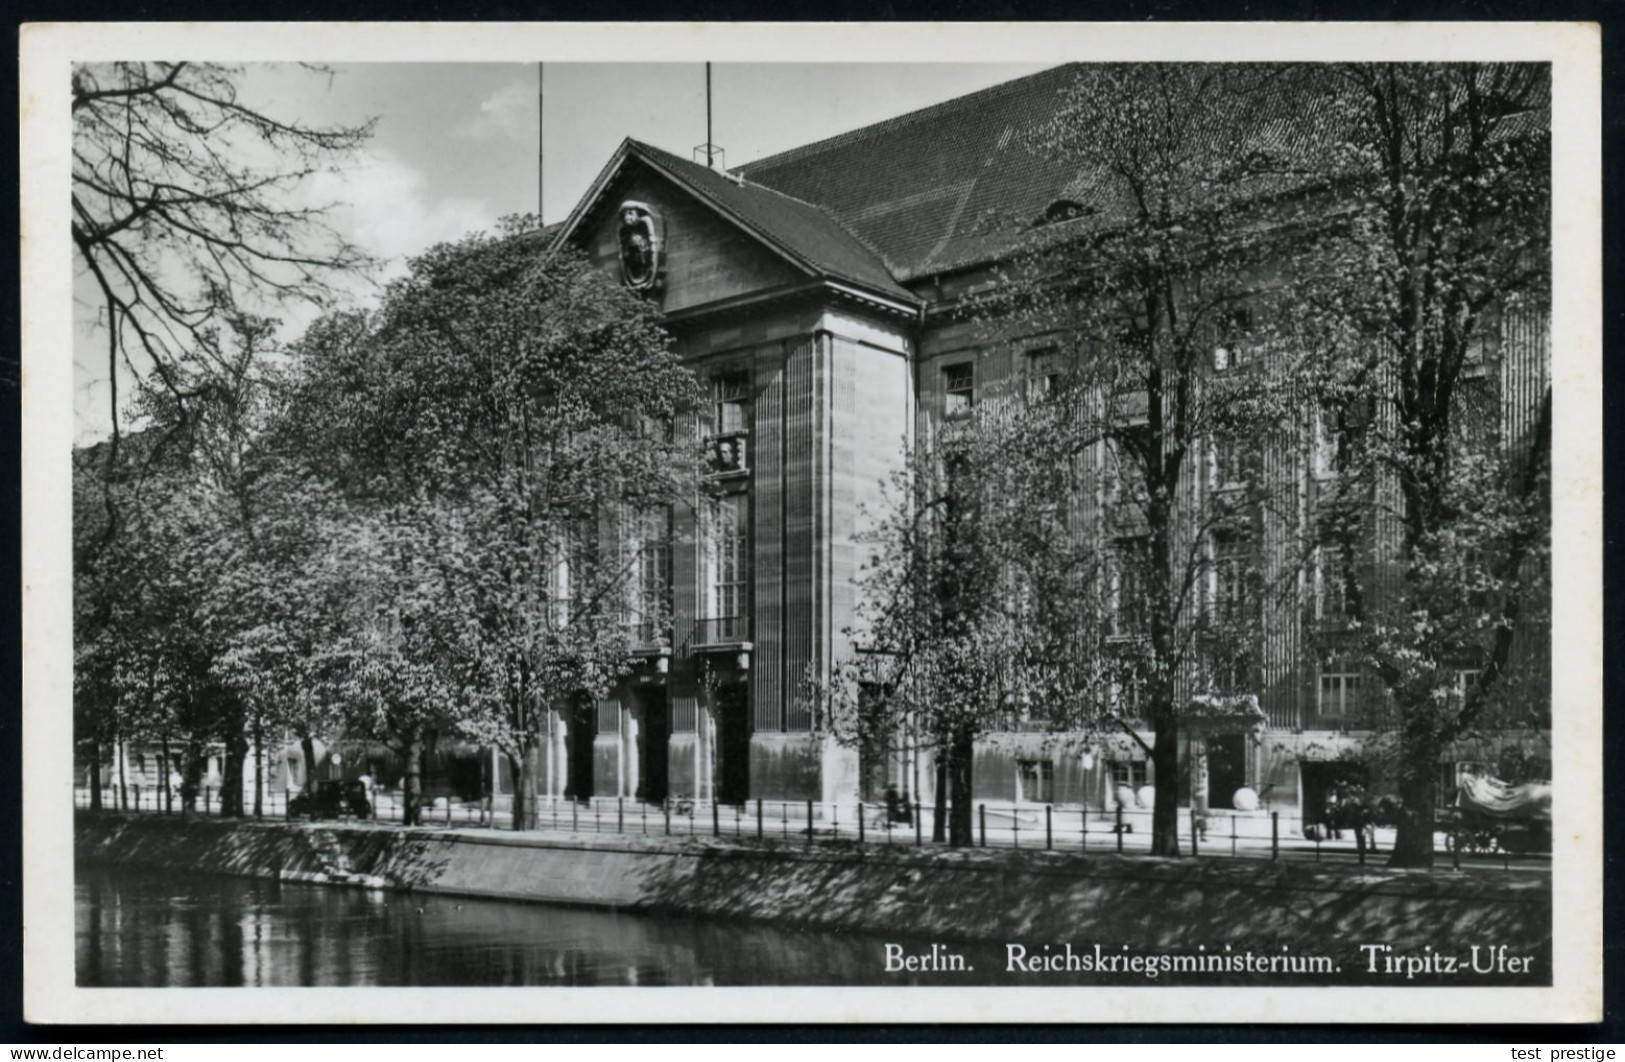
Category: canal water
<point>140,928</point>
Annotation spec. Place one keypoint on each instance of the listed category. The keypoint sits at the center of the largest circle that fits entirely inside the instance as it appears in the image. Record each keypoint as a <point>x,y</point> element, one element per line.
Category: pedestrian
<point>896,806</point>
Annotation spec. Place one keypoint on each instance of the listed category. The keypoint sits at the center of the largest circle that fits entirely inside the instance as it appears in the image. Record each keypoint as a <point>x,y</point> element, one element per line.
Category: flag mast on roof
<point>541,127</point>
<point>709,149</point>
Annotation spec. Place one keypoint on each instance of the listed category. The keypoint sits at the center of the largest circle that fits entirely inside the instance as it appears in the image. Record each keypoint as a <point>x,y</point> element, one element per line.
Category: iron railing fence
<point>1266,835</point>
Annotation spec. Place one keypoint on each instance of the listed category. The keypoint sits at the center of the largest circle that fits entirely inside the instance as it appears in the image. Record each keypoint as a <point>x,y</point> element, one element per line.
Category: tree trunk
<point>1165,762</point>
<point>192,779</point>
<point>524,768</point>
<point>231,778</point>
<point>960,825</point>
<point>307,745</point>
<point>1413,841</point>
<point>169,772</point>
<point>939,820</point>
<point>412,780</point>
<point>259,770</point>
<point>123,789</point>
<point>95,775</point>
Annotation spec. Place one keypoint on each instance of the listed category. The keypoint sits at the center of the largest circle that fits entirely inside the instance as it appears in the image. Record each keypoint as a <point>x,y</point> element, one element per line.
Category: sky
<point>455,146</point>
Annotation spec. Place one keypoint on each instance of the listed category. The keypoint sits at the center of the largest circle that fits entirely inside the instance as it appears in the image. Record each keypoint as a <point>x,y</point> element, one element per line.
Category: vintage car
<point>331,800</point>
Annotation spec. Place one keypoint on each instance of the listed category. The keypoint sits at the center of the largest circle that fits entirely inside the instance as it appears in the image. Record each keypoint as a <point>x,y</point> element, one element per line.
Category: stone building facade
<point>813,292</point>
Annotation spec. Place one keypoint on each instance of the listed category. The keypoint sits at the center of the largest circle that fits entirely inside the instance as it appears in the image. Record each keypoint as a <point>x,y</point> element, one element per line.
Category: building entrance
<point>1226,768</point>
<point>654,744</point>
<point>733,744</point>
<point>874,749</point>
<point>1320,781</point>
<point>583,729</point>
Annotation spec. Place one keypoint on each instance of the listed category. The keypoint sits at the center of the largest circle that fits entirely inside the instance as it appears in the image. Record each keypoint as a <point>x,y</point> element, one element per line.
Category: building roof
<point>801,230</point>
<point>955,184</point>
<point>802,233</point>
<point>924,188</point>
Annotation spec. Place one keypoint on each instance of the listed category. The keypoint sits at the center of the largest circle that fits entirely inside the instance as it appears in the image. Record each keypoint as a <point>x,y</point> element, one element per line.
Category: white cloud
<point>381,203</point>
<point>509,112</point>
<point>382,206</point>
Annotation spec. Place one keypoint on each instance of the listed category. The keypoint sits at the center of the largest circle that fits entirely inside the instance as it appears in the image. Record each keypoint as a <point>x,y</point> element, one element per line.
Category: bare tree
<point>185,210</point>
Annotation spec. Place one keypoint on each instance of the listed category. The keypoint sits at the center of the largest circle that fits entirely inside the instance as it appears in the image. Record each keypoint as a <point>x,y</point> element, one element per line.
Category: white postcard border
<point>47,382</point>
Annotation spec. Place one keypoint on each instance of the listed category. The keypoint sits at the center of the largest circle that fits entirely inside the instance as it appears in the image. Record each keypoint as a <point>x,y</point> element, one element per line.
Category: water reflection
<point>147,929</point>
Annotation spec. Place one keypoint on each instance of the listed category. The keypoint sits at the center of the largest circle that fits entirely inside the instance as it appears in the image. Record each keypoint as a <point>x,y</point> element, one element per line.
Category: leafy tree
<point>396,656</point>
<point>1163,301</point>
<point>941,642</point>
<point>219,567</point>
<point>1430,304</point>
<point>141,651</point>
<point>515,401</point>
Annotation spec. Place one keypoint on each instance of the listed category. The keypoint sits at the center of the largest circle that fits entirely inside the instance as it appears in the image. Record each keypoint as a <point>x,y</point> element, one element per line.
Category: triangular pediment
<point>715,239</point>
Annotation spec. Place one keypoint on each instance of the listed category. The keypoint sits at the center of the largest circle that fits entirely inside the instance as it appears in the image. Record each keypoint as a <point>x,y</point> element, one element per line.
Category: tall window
<point>1043,373</point>
<point>1234,325</point>
<point>1337,431</point>
<point>1126,695</point>
<point>959,386</point>
<point>1232,559</point>
<point>731,416</point>
<point>560,587</point>
<point>1132,566</point>
<point>727,569</point>
<point>570,570</point>
<point>732,396</point>
<point>1229,460</point>
<point>1340,686</point>
<point>1328,443</point>
<point>652,541</point>
<point>1233,671</point>
<point>1334,602</point>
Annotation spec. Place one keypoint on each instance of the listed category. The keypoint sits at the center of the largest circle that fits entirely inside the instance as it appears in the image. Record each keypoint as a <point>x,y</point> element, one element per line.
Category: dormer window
<point>1062,210</point>
<point>1260,161</point>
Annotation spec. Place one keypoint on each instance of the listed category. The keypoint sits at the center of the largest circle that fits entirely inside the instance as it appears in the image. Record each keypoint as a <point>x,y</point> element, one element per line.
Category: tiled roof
<point>922,188</point>
<point>954,184</point>
<point>800,230</point>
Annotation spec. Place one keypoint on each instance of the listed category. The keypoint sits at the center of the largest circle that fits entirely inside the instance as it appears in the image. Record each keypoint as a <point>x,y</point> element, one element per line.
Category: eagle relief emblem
<point>641,262</point>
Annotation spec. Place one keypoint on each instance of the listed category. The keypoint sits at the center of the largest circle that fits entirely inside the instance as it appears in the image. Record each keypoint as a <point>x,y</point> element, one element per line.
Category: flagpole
<point>540,156</point>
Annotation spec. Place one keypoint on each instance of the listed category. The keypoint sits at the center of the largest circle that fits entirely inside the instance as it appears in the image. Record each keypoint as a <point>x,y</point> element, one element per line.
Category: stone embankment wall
<point>981,895</point>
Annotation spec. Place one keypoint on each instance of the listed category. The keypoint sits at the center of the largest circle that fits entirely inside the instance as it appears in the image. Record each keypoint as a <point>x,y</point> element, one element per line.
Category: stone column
<point>629,752</point>
<point>705,752</point>
<point>561,756</point>
<point>1199,779</point>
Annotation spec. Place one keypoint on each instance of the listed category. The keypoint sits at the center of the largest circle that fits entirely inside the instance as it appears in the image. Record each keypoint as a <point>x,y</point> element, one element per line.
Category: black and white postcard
<point>1008,522</point>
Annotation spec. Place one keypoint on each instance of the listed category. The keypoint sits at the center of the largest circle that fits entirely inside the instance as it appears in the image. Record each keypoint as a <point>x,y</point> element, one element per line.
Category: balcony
<point>729,631</point>
<point>648,638</point>
<point>728,454</point>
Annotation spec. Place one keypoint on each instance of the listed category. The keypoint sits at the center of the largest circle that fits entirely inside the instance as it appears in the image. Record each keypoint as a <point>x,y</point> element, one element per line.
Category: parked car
<point>332,800</point>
